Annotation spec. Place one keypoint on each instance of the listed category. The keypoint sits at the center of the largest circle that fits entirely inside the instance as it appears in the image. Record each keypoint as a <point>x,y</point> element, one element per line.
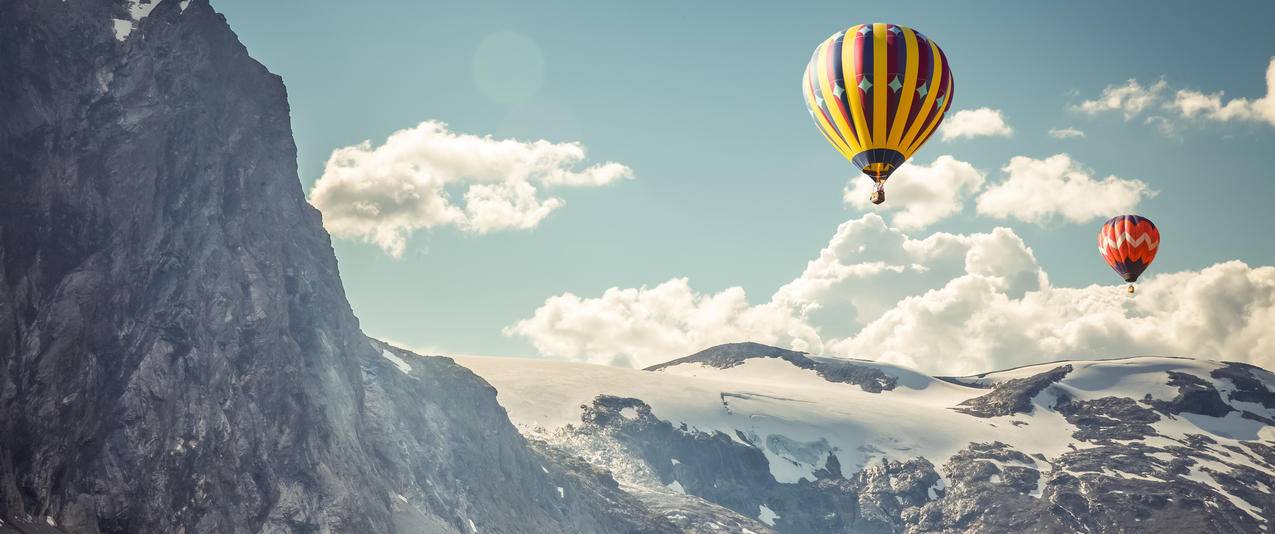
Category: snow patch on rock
<point>766,515</point>
<point>398,362</point>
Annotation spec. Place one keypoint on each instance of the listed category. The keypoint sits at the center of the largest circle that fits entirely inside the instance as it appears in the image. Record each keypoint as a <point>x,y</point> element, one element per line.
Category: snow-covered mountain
<point>814,444</point>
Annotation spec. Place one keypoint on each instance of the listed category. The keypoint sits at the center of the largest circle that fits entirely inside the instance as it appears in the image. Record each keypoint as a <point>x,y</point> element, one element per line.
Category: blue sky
<point>732,184</point>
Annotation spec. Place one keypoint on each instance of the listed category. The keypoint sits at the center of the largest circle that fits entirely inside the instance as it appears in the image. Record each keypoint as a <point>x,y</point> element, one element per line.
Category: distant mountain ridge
<point>1132,444</point>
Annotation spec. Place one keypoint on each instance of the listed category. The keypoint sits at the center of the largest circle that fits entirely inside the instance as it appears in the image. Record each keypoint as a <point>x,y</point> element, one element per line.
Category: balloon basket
<point>878,196</point>
<point>1130,289</point>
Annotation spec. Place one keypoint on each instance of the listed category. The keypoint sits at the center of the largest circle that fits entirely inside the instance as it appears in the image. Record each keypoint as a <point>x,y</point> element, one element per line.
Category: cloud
<point>385,193</point>
<point>1038,190</point>
<point>971,325</point>
<point>868,266</point>
<point>643,326</point>
<point>1210,106</point>
<point>920,195</point>
<point>1066,133</point>
<point>979,122</point>
<point>945,304</point>
<point>1131,98</point>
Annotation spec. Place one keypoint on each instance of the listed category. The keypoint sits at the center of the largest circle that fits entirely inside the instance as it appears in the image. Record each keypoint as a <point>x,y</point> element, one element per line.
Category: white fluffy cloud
<point>382,194</point>
<point>1131,98</point>
<point>920,195</point>
<point>1037,190</point>
<point>971,325</point>
<point>1066,133</point>
<point>946,303</point>
<point>1210,106</point>
<point>644,326</point>
<point>980,122</point>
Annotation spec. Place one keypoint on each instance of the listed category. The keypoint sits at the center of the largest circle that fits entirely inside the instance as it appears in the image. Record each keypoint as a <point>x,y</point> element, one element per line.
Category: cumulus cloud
<point>969,123</point>
<point>1193,103</point>
<point>1131,98</point>
<point>920,195</point>
<point>428,176</point>
<point>643,326</point>
<point>971,325</point>
<point>1037,190</point>
<point>1066,133</point>
<point>943,303</point>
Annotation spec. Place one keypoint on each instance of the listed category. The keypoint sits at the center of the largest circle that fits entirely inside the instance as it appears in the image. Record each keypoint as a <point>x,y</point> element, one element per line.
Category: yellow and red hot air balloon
<point>1129,244</point>
<point>877,92</point>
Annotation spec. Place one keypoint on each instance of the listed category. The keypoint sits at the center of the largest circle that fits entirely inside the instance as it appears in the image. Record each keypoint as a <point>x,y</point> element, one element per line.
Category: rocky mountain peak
<point>176,350</point>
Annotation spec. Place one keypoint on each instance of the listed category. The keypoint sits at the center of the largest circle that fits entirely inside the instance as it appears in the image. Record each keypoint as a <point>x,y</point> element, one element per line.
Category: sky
<point>625,183</point>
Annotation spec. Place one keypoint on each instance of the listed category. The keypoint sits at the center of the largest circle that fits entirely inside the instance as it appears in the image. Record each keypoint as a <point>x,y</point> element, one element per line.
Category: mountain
<point>815,444</point>
<point>176,350</point>
<point>177,354</point>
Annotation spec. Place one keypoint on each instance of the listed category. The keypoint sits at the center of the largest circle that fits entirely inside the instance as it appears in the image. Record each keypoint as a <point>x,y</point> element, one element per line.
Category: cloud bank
<point>427,176</point>
<point>943,303</point>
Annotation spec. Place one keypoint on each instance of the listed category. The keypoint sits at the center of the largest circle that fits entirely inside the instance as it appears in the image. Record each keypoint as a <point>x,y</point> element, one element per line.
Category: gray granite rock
<point>176,350</point>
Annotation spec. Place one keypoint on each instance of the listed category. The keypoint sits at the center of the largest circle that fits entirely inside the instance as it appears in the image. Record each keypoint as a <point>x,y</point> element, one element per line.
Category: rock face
<point>868,378</point>
<point>1013,396</point>
<point>176,350</point>
<point>1128,445</point>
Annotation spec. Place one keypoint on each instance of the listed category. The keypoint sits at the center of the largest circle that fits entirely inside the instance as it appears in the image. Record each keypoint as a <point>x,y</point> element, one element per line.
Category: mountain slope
<point>1097,446</point>
<point>176,350</point>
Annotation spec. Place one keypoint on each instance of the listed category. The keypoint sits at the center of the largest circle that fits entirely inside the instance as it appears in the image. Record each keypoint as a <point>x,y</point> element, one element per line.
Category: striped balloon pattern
<point>1129,244</point>
<point>877,92</point>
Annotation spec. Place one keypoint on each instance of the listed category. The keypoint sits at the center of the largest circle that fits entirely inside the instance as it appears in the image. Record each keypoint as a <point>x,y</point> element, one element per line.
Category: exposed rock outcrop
<point>1013,396</point>
<point>840,370</point>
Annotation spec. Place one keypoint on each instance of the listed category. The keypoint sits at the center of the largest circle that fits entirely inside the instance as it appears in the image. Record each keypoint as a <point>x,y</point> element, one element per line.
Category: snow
<point>792,414</point>
<point>137,10</point>
<point>398,362</point>
<point>49,519</point>
<point>183,5</point>
<point>797,419</point>
<point>1200,472</point>
<point>1090,379</point>
<point>676,486</point>
<point>562,494</point>
<point>122,28</point>
<point>675,461</point>
<point>472,528</point>
<point>934,489</point>
<point>766,515</point>
<point>629,413</point>
<point>400,497</point>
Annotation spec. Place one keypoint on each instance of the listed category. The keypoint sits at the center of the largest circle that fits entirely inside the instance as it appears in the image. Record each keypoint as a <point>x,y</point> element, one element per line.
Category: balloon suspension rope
<point>878,191</point>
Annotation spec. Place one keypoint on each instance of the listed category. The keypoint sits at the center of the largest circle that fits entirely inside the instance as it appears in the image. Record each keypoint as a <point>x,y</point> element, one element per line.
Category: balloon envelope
<point>1129,244</point>
<point>877,92</point>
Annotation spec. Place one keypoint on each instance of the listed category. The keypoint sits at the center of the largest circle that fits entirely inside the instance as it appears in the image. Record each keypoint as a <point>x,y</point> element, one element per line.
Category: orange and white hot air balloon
<point>1129,244</point>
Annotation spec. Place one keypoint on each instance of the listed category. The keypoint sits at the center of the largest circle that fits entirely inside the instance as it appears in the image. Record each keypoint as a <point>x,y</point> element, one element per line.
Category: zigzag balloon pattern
<point>1129,244</point>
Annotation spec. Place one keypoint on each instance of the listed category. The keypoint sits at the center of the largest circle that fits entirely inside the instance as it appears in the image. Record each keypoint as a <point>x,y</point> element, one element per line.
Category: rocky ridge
<point>1135,444</point>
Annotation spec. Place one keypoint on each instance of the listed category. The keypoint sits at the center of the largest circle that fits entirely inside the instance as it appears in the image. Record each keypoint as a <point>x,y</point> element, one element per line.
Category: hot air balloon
<point>877,92</point>
<point>1129,244</point>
